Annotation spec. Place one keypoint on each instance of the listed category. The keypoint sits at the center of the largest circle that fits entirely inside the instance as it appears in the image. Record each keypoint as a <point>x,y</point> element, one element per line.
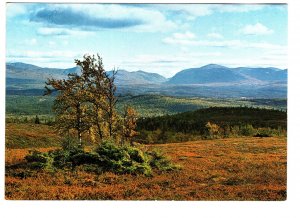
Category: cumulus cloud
<point>192,11</point>
<point>186,35</point>
<point>31,42</point>
<point>57,58</point>
<point>256,29</point>
<point>69,16</point>
<point>238,8</point>
<point>15,9</point>
<point>186,38</point>
<point>215,35</point>
<point>234,44</point>
<point>51,31</point>
<point>101,16</point>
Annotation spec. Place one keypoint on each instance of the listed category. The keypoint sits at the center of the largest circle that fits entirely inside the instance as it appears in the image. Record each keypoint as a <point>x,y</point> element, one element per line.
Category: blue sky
<point>159,38</point>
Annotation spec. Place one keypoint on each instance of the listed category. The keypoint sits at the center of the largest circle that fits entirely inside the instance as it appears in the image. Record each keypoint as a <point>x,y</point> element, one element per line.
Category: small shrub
<point>39,160</point>
<point>123,159</point>
<point>266,132</point>
<point>212,130</point>
<point>106,157</point>
<point>137,155</point>
<point>247,130</point>
<point>160,162</point>
<point>61,158</point>
<point>36,156</point>
<point>84,158</point>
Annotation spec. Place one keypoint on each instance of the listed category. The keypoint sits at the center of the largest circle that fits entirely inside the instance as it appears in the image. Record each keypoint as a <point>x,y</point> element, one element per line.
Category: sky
<point>158,38</point>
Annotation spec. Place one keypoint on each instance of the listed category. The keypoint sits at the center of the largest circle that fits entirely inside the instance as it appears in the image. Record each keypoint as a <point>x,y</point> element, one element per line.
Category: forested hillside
<point>213,122</point>
<point>146,105</point>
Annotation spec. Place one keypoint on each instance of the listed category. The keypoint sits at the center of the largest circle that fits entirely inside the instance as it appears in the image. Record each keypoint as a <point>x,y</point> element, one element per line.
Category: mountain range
<point>211,80</point>
<point>214,73</point>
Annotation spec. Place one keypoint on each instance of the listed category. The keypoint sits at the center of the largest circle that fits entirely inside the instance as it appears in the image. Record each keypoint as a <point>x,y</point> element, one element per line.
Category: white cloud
<point>256,29</point>
<point>167,65</point>
<point>51,31</point>
<point>186,35</point>
<point>187,38</point>
<point>192,11</point>
<point>41,54</point>
<point>55,59</point>
<point>52,43</point>
<point>31,42</point>
<point>15,9</point>
<point>238,8</point>
<point>215,35</point>
<point>234,44</point>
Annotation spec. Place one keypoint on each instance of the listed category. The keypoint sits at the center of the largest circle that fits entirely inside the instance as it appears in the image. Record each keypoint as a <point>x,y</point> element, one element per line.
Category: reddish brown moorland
<point>245,168</point>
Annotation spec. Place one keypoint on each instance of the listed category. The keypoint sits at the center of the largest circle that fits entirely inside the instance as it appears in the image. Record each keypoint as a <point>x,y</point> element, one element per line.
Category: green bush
<point>39,160</point>
<point>137,155</point>
<point>61,158</point>
<point>122,159</point>
<point>106,157</point>
<point>247,130</point>
<point>85,158</point>
<point>160,161</point>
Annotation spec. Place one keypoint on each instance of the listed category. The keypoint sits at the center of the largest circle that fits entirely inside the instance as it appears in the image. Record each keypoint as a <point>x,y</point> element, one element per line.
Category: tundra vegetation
<point>85,104</point>
<point>95,145</point>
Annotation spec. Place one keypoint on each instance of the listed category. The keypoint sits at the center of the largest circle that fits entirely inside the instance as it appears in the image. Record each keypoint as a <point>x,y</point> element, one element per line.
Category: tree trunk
<point>98,125</point>
<point>79,124</point>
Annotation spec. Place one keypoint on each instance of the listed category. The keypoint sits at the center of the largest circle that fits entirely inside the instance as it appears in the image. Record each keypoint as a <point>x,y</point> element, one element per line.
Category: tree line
<point>214,122</point>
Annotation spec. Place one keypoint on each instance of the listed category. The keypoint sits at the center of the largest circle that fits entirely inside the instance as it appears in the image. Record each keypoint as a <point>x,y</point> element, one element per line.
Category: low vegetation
<point>85,106</point>
<point>219,169</point>
<point>90,147</point>
<point>106,157</point>
<point>22,135</point>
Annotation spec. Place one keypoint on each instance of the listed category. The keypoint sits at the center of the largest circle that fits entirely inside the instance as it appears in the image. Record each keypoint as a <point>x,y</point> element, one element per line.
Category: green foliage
<point>211,123</point>
<point>123,159</point>
<point>160,161</point>
<point>39,160</point>
<point>37,120</point>
<point>145,105</point>
<point>29,105</point>
<point>106,157</point>
<point>247,130</point>
<point>212,130</point>
<point>85,158</point>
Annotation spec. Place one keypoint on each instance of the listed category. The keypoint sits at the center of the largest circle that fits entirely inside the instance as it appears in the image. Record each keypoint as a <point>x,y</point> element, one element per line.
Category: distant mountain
<point>263,74</point>
<point>16,72</point>
<point>138,77</point>
<point>213,73</point>
<point>208,81</point>
<point>32,72</point>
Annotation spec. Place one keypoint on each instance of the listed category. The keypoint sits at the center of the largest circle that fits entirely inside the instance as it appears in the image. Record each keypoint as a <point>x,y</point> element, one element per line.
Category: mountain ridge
<point>207,81</point>
<point>213,73</point>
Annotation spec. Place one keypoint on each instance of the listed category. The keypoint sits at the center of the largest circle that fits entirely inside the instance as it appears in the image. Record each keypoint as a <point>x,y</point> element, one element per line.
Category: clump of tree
<point>86,104</point>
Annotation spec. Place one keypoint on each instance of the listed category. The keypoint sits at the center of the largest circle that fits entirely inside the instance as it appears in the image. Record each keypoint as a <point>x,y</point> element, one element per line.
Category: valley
<point>225,130</point>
